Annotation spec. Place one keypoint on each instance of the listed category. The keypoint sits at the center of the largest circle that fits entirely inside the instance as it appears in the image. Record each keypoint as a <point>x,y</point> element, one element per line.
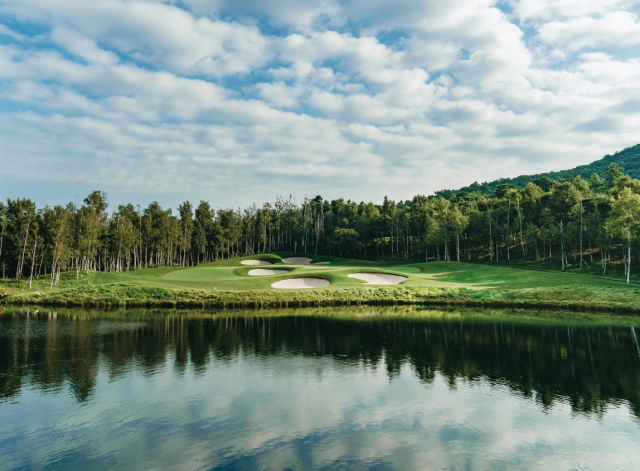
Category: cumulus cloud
<point>156,34</point>
<point>279,93</point>
<point>356,99</point>
<point>546,10</point>
<point>617,29</point>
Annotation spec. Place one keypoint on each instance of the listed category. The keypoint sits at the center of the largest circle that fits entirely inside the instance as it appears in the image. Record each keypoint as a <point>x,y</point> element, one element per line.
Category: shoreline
<point>122,295</point>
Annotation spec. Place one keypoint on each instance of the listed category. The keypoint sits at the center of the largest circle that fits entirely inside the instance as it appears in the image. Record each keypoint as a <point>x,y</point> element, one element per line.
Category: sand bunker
<point>255,262</point>
<point>297,261</point>
<point>301,261</point>
<point>300,283</point>
<point>378,278</point>
<point>263,272</point>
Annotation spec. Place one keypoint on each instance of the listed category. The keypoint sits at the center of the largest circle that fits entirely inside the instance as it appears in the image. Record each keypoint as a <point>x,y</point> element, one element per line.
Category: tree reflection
<point>588,366</point>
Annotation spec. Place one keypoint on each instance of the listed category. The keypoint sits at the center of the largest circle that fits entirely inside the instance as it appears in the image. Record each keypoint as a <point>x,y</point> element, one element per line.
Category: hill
<point>628,158</point>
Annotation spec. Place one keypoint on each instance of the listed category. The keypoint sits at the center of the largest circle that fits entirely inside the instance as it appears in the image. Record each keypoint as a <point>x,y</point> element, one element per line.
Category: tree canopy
<point>583,221</point>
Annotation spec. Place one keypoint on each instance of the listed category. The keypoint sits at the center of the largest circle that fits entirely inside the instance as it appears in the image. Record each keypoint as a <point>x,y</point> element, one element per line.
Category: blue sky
<point>235,102</point>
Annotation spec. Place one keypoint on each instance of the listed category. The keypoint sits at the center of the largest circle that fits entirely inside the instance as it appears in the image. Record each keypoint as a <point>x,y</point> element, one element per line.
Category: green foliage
<point>347,240</point>
<point>555,223</point>
<point>628,159</point>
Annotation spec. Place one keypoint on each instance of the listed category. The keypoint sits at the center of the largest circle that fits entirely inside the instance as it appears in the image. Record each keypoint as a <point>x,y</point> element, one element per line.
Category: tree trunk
<point>509,232</point>
<point>24,249</point>
<point>521,237</point>
<point>629,257</point>
<point>562,245</point>
<point>581,235</point>
<point>33,260</point>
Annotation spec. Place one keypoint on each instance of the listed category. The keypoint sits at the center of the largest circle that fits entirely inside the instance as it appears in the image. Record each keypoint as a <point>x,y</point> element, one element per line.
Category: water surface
<point>318,389</point>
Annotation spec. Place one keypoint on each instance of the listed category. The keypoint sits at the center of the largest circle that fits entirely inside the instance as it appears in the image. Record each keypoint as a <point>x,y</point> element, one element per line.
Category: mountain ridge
<point>628,158</point>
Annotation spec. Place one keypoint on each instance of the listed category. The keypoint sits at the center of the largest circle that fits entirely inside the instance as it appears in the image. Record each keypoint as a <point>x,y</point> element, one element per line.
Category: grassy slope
<point>436,282</point>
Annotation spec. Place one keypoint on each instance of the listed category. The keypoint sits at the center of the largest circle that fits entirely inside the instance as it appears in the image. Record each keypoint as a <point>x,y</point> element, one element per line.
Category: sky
<point>235,102</point>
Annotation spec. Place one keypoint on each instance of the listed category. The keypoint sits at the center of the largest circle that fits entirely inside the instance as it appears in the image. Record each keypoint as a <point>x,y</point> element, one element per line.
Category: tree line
<point>571,221</point>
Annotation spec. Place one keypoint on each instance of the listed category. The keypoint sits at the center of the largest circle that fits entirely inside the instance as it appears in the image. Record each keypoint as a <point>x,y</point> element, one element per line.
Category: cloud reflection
<point>118,390</point>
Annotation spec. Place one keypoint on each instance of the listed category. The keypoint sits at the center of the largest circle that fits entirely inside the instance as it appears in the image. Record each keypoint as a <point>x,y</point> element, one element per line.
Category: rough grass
<point>568,298</point>
<point>615,267</point>
<point>226,284</point>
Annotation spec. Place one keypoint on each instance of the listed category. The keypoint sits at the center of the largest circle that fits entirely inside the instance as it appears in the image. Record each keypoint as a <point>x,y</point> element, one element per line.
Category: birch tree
<point>57,223</point>
<point>624,221</point>
<point>4,222</point>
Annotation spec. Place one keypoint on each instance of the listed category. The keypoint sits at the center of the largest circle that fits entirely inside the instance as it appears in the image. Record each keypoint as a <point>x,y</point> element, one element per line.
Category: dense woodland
<point>576,221</point>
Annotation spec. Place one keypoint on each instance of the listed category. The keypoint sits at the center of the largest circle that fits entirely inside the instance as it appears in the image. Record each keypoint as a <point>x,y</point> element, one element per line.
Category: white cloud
<point>279,93</point>
<point>618,29</point>
<point>545,10</point>
<point>83,47</point>
<point>9,32</point>
<point>154,33</point>
<point>220,95</point>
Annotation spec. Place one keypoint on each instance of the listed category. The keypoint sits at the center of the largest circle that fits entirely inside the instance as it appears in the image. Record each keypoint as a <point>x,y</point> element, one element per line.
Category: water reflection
<point>247,380</point>
<point>588,365</point>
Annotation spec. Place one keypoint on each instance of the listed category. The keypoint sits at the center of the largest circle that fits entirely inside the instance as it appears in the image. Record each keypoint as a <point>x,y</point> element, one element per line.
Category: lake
<point>357,388</point>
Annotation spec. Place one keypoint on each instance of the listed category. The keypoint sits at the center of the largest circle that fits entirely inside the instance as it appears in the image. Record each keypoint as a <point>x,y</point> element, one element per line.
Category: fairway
<point>233,275</point>
<point>337,281</point>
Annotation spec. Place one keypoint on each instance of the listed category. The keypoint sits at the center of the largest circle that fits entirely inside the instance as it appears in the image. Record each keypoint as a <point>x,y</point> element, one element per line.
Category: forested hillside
<point>628,158</point>
<point>579,222</point>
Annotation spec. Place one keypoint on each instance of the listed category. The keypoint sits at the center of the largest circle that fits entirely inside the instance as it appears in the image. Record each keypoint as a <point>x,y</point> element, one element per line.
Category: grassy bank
<point>227,284</point>
<point>567,298</point>
<point>362,313</point>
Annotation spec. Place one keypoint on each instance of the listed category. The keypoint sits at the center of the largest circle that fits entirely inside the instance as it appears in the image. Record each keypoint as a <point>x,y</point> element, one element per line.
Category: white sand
<point>301,261</point>
<point>378,278</point>
<point>299,283</point>
<point>255,262</point>
<point>263,272</point>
